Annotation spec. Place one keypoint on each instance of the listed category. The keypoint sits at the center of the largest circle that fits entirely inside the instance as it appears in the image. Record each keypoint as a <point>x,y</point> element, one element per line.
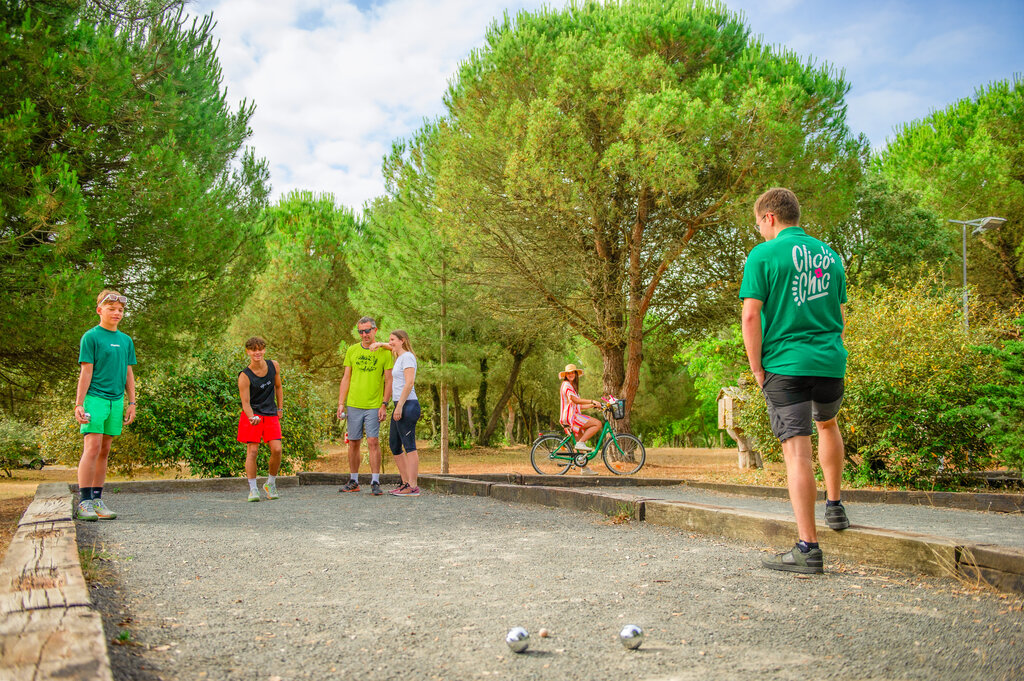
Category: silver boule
<point>518,639</point>
<point>631,636</point>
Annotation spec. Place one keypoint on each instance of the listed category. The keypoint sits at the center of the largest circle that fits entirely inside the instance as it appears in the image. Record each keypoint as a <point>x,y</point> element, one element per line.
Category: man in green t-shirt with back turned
<point>793,293</point>
<point>362,398</point>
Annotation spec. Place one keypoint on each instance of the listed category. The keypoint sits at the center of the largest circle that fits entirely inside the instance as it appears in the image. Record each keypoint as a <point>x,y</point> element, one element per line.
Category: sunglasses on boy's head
<point>363,332</point>
<point>114,298</point>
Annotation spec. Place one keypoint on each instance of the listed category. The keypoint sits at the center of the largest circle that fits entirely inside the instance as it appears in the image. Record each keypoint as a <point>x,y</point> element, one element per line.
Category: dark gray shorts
<point>795,401</point>
<point>362,421</point>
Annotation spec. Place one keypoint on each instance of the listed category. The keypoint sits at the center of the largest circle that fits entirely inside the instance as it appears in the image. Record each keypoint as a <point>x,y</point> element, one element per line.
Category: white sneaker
<point>586,471</point>
<point>581,447</point>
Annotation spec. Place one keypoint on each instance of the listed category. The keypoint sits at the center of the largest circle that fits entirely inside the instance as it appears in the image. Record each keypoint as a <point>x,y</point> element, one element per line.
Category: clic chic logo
<point>813,278</point>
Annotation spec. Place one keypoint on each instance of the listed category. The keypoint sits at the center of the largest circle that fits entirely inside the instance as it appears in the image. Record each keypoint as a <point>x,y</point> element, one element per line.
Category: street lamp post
<point>980,225</point>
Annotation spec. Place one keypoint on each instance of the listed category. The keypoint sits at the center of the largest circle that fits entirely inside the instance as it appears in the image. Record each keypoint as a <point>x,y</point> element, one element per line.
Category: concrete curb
<point>189,485</point>
<point>48,629</point>
<point>998,566</point>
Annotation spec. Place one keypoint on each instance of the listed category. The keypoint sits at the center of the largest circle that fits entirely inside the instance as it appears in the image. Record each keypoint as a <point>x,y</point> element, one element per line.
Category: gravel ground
<point>1005,529</point>
<point>320,585</point>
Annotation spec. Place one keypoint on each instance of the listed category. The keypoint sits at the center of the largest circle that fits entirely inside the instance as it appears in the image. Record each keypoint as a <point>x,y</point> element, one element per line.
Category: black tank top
<point>261,391</point>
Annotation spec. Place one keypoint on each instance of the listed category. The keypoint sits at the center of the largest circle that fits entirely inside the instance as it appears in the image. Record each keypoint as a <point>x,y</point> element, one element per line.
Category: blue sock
<point>96,492</point>
<point>806,546</point>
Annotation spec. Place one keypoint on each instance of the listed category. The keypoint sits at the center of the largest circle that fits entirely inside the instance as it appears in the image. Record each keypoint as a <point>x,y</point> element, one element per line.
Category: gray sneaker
<point>795,560</point>
<point>85,512</point>
<point>835,517</point>
<point>254,495</point>
<point>101,510</point>
<point>271,490</point>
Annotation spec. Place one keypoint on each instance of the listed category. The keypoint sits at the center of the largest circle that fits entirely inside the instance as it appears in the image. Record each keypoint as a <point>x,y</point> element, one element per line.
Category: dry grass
<point>11,510</point>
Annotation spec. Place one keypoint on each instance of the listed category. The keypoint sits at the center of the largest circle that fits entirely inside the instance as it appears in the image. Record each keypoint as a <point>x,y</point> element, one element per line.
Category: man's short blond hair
<point>780,201</point>
<point>104,293</point>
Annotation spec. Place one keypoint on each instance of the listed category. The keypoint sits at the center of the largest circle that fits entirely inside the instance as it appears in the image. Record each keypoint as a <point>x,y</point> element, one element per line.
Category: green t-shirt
<point>110,353</point>
<point>366,387</point>
<point>802,284</point>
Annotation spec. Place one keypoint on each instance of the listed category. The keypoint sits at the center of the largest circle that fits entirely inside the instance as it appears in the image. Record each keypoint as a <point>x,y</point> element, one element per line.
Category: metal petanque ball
<point>518,639</point>
<point>631,636</point>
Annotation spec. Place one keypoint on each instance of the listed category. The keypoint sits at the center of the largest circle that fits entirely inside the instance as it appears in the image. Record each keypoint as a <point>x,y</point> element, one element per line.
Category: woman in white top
<point>406,414</point>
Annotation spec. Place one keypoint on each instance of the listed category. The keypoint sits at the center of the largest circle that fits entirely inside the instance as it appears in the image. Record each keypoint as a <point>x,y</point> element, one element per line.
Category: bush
<point>191,414</point>
<point>18,441</point>
<point>912,371</point>
<point>1002,403</point>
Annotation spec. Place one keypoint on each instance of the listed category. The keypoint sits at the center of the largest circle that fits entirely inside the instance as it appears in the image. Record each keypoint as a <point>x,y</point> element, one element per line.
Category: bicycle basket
<point>618,409</point>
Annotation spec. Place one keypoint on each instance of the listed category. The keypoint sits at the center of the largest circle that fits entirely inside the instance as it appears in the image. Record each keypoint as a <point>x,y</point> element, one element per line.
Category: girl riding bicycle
<point>570,416</point>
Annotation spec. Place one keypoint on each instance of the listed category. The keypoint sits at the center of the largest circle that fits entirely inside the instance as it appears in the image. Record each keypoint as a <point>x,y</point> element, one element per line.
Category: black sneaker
<point>795,560</point>
<point>350,486</point>
<point>835,517</point>
<point>375,489</point>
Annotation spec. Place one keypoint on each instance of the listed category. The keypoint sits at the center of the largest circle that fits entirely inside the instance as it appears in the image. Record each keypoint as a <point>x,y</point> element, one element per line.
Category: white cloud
<point>334,86</point>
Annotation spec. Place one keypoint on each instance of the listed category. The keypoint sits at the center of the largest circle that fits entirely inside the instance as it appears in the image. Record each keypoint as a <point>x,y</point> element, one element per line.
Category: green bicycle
<point>623,454</point>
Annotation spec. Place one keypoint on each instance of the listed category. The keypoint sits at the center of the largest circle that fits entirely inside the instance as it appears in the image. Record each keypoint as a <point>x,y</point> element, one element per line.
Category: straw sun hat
<point>568,368</point>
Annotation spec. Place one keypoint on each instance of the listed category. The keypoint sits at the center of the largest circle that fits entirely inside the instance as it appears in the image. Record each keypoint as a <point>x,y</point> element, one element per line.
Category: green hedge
<point>189,414</point>
<point>18,441</point>
<point>912,374</point>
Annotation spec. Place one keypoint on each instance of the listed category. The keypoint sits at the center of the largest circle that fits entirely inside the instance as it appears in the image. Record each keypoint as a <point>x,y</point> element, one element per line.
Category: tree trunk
<point>444,429</point>
<point>513,375</point>
<point>481,396</point>
<point>510,422</point>
<point>469,420</point>
<point>435,417</point>
<point>460,418</point>
<point>444,362</point>
<point>614,378</point>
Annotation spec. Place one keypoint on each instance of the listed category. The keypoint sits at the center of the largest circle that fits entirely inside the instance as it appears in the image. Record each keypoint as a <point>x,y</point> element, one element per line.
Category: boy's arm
<point>129,391</point>
<point>751,323</point>
<point>343,391</point>
<point>842,310</point>
<point>84,379</point>
<point>278,388</point>
<point>243,393</point>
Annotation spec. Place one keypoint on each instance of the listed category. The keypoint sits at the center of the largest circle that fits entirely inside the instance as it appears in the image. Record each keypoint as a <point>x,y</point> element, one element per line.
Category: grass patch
<point>623,514</point>
<point>93,564</point>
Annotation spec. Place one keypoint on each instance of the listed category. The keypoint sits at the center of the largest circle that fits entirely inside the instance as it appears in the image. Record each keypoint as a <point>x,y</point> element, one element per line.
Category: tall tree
<point>301,300</point>
<point>967,161</point>
<point>121,163</point>
<point>593,147</point>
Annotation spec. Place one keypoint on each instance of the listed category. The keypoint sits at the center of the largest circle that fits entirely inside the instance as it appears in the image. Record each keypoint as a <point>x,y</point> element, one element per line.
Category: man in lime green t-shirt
<point>106,357</point>
<point>793,293</point>
<point>362,398</point>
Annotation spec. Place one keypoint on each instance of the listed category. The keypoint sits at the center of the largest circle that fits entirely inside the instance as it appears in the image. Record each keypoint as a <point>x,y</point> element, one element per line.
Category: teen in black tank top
<point>261,390</point>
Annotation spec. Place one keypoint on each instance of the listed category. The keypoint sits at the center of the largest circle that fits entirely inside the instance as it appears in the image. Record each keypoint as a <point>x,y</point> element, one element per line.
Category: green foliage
<point>121,163</point>
<point>300,303</point>
<point>605,154</point>
<point>889,237</point>
<point>713,363</point>
<point>61,440</point>
<point>1001,405</point>
<point>18,441</point>
<point>967,161</point>
<point>191,415</point>
<point>911,372</point>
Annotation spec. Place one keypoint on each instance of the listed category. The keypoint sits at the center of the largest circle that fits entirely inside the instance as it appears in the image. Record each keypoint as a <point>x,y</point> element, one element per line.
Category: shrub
<point>61,441</point>
<point>912,371</point>
<point>190,414</point>
<point>1002,402</point>
<point>18,441</point>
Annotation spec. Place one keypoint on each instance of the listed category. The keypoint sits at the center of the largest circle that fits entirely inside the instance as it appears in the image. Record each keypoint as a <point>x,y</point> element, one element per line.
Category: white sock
<point>252,484</point>
<point>354,477</point>
<point>271,479</point>
<point>375,478</point>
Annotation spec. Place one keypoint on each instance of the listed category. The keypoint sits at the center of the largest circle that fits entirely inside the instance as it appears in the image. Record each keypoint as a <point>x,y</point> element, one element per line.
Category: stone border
<point>48,629</point>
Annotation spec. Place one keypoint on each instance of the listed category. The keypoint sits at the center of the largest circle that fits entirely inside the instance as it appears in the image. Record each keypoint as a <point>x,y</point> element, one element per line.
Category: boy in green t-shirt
<point>362,398</point>
<point>106,357</point>
<point>793,293</point>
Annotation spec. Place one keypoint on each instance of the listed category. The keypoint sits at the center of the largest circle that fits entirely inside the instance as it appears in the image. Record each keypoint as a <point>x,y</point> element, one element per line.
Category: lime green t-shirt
<point>366,387</point>
<point>802,284</point>
<point>110,353</point>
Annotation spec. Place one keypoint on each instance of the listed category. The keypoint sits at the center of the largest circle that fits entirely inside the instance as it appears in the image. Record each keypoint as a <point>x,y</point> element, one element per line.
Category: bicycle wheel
<point>624,455</point>
<point>543,454</point>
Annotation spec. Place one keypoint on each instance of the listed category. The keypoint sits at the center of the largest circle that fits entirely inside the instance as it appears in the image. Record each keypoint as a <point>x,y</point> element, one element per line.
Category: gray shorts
<point>360,421</point>
<point>794,401</point>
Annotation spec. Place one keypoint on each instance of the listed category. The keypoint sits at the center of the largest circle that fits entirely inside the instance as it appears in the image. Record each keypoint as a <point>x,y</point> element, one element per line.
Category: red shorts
<point>269,428</point>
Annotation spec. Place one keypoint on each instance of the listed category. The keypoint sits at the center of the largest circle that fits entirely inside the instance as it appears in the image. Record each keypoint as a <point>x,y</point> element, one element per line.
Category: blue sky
<point>336,81</point>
